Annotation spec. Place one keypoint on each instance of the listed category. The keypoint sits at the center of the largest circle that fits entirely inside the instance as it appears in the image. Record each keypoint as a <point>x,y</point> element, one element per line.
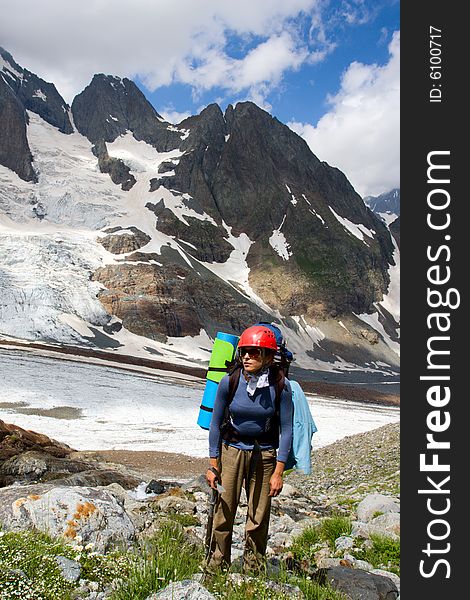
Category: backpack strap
<point>279,382</point>
<point>233,381</point>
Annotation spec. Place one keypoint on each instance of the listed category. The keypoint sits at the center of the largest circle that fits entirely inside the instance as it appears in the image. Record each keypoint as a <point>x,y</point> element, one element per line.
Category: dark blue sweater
<point>249,416</point>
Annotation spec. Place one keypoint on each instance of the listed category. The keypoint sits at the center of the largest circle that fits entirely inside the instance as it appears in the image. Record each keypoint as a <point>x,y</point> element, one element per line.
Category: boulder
<point>360,585</point>
<point>32,465</point>
<point>182,590</point>
<point>390,575</point>
<point>15,440</point>
<point>29,457</point>
<point>387,525</point>
<point>376,503</point>
<point>74,513</point>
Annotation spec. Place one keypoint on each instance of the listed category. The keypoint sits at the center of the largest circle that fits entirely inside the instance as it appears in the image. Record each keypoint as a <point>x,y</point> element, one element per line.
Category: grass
<point>184,520</point>
<point>383,554</point>
<point>307,543</point>
<point>28,566</point>
<point>328,530</point>
<point>263,587</point>
<point>166,557</point>
<point>334,527</point>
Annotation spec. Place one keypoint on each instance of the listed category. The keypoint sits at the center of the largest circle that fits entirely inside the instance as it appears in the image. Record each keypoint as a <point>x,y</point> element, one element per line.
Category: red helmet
<point>259,336</point>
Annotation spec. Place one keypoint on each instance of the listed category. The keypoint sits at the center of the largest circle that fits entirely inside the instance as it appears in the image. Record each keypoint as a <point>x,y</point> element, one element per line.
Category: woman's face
<point>252,359</point>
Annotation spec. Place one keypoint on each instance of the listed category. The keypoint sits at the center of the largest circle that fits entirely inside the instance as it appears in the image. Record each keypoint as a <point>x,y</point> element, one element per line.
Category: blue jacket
<point>303,429</point>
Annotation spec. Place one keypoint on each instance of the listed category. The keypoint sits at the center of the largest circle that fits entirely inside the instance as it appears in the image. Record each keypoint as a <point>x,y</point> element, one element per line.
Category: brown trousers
<point>253,469</point>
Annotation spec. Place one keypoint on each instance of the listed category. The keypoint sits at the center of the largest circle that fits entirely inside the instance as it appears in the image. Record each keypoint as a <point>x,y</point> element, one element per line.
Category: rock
<point>288,491</point>
<point>43,465</point>
<point>387,525</point>
<point>357,563</point>
<point>113,327</point>
<point>100,477</point>
<point>18,88</point>
<point>37,95</point>
<point>171,299</point>
<point>14,440</point>
<point>371,336</point>
<point>108,95</point>
<point>32,465</point>
<point>283,524</point>
<point>198,484</point>
<point>187,589</point>
<point>155,487</point>
<point>205,239</point>
<point>359,585</point>
<point>175,504</point>
<point>88,514</point>
<point>118,171</point>
<point>389,574</point>
<point>376,503</point>
<point>329,563</point>
<point>321,554</point>
<point>70,569</point>
<point>395,230</point>
<point>123,241</point>
<point>344,543</point>
<point>279,540</point>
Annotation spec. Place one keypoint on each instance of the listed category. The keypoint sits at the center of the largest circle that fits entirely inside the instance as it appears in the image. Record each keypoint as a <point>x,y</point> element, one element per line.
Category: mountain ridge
<point>220,221</point>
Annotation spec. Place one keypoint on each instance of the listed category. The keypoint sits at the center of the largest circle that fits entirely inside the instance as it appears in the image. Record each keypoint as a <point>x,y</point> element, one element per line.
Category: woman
<point>245,451</point>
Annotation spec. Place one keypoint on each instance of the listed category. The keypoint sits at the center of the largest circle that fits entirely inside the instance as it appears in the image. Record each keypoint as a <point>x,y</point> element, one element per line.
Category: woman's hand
<point>275,484</point>
<point>212,478</point>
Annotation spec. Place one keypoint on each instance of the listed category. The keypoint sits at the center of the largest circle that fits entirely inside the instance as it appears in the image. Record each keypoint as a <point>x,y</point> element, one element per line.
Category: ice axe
<point>213,497</point>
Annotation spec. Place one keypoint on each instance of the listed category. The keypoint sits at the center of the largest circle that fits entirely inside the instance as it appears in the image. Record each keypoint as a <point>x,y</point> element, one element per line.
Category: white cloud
<point>173,116</point>
<point>160,42</point>
<point>361,133</point>
<point>356,11</point>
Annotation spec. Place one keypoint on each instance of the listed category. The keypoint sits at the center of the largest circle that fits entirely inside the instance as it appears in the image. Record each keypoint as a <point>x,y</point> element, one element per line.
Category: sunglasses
<point>253,352</point>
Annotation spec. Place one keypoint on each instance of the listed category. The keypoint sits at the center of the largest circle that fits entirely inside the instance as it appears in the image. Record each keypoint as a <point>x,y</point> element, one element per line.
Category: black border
<point>425,127</point>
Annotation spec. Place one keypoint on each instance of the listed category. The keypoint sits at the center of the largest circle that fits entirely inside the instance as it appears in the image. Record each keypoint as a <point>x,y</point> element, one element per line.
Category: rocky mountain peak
<point>206,129</point>
<point>15,153</point>
<point>110,106</point>
<point>22,91</point>
<point>35,94</point>
<point>388,202</point>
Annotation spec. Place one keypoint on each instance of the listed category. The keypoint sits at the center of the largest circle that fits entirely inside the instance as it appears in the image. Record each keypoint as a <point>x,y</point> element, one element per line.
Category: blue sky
<point>302,93</point>
<point>328,69</point>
